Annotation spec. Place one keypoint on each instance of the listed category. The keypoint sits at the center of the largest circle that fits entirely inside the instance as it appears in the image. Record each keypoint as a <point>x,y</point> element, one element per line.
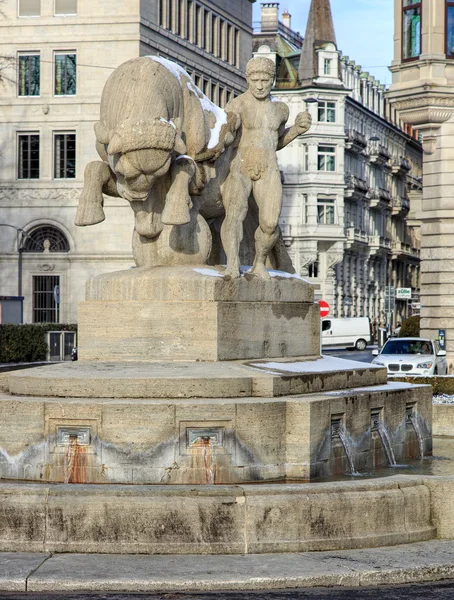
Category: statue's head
<point>260,77</point>
<point>139,153</point>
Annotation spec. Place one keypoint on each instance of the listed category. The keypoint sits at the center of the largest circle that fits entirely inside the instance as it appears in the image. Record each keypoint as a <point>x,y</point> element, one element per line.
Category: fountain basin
<point>443,419</point>
<point>210,440</point>
<point>216,519</point>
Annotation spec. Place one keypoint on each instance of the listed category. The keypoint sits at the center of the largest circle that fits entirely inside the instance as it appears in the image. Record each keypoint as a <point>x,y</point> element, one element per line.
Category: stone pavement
<point>41,572</point>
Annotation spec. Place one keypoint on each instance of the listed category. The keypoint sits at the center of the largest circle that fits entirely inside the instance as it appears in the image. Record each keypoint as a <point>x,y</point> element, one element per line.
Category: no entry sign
<point>324,308</point>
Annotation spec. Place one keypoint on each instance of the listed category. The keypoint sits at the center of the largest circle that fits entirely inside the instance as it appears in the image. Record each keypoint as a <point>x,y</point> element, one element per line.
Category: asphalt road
<point>364,356</point>
<point>429,591</point>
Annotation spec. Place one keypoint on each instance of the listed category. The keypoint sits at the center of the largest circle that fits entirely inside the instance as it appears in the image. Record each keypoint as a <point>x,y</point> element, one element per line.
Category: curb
<point>395,565</point>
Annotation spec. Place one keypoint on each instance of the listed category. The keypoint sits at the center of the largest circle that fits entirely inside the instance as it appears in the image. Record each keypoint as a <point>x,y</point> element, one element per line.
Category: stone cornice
<point>425,101</point>
<point>425,116</point>
<point>425,109</point>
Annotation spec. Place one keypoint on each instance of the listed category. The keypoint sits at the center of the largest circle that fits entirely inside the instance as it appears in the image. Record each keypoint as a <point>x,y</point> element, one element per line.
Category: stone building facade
<point>351,182</point>
<point>423,92</point>
<point>63,52</point>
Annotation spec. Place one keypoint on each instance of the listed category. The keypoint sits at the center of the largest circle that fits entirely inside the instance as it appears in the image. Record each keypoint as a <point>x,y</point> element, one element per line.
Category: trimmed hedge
<point>27,343</point>
<point>410,327</point>
<point>440,385</point>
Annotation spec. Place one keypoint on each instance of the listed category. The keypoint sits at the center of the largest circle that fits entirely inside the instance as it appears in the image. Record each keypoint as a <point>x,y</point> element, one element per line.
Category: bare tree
<point>6,62</point>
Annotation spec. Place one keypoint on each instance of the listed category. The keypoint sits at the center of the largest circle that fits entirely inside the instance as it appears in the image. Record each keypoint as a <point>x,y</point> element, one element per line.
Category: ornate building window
<point>64,155</point>
<point>28,156</point>
<point>312,270</point>
<point>46,239</point>
<point>198,26</point>
<point>450,29</point>
<point>65,7</point>
<point>46,308</point>
<point>325,212</point>
<point>411,29</point>
<point>65,74</point>
<point>29,8</point>
<point>28,78</point>
<point>326,158</point>
<point>326,112</point>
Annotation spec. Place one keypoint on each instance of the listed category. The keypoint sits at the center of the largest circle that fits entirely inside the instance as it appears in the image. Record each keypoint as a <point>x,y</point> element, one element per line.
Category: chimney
<point>287,19</point>
<point>270,17</point>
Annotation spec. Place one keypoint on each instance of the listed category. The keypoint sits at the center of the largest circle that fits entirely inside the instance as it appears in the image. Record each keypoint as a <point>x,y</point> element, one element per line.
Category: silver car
<point>412,356</point>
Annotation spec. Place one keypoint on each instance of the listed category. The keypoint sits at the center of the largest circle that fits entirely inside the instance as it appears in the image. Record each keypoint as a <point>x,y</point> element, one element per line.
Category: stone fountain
<point>200,408</point>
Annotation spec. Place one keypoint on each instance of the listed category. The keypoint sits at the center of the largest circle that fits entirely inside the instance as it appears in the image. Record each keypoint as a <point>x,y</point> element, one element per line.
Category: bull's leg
<point>97,176</point>
<point>178,201</point>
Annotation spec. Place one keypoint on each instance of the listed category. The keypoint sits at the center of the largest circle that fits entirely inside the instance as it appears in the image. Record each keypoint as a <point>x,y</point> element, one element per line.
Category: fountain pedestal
<point>161,427</point>
<point>190,313</point>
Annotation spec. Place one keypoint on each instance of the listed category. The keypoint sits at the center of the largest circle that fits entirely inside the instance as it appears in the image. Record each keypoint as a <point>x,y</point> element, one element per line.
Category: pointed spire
<point>319,30</point>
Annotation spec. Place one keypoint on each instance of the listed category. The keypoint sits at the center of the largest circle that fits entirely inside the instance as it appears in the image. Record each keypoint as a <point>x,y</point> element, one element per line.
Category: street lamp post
<point>20,234</point>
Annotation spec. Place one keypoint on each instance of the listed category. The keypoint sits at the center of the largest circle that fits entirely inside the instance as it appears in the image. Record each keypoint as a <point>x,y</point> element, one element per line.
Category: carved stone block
<point>184,313</point>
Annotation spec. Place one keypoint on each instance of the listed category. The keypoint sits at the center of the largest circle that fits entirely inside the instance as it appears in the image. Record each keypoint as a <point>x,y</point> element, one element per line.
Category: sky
<point>364,30</point>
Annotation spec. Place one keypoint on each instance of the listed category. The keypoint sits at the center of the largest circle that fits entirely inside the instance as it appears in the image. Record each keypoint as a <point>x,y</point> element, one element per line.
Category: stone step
<point>191,379</point>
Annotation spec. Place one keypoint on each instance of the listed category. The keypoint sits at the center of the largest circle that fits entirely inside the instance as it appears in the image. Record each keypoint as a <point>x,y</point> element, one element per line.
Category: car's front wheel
<point>361,345</point>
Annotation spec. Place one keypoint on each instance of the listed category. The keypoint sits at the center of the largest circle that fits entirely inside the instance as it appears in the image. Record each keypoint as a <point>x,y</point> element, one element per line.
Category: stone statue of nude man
<point>255,168</point>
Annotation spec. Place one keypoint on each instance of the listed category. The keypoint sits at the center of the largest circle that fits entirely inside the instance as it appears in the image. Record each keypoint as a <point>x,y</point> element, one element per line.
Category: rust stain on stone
<point>75,462</point>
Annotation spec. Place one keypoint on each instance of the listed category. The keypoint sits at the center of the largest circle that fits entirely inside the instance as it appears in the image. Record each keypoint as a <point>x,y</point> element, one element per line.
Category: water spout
<point>414,422</point>
<point>348,453</point>
<point>386,443</point>
<point>208,460</point>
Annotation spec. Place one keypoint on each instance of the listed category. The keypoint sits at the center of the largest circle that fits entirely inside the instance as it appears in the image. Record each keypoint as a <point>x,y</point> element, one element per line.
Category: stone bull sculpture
<point>166,148</point>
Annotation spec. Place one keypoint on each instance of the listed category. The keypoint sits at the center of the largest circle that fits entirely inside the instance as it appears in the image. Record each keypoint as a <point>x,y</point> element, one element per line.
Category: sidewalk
<point>6,367</point>
<point>412,563</point>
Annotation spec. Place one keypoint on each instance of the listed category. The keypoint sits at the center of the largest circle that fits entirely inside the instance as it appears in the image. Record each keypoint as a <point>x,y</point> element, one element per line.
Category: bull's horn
<point>102,133</point>
<point>177,121</point>
<point>115,145</point>
<point>179,146</point>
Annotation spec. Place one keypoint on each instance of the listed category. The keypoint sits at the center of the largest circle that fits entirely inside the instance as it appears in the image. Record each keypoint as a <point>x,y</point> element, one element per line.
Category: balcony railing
<point>386,195</point>
<point>400,165</point>
<point>378,153</point>
<point>414,183</point>
<point>355,236</point>
<point>405,249</point>
<point>401,205</point>
<point>355,185</point>
<point>380,196</point>
<point>355,140</point>
<point>379,243</point>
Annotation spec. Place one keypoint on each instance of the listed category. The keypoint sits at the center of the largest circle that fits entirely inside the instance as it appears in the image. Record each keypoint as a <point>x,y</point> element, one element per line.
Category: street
<point>361,356</point>
<point>439,590</point>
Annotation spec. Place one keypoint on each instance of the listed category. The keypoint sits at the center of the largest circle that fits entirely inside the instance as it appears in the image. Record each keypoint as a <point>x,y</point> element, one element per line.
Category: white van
<point>354,332</point>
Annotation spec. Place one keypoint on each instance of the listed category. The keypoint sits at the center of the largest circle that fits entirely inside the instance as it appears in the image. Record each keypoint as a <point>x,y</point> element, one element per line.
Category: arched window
<point>46,239</point>
<point>450,29</point>
<point>411,29</point>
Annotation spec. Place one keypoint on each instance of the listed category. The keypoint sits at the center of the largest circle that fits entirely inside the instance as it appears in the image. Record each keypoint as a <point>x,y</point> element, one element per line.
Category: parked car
<point>412,356</point>
<point>349,333</point>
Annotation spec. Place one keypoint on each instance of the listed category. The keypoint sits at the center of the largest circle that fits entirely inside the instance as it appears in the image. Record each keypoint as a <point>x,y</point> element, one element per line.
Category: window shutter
<point>29,8</point>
